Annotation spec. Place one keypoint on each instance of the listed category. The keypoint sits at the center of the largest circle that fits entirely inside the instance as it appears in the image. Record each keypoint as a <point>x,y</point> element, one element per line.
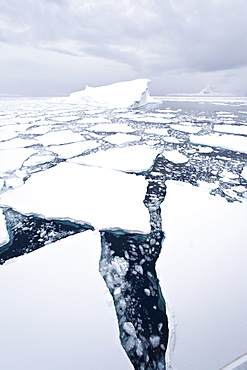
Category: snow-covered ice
<point>59,137</point>
<point>231,142</point>
<point>111,127</point>
<point>202,268</point>
<point>232,129</point>
<point>4,236</point>
<point>54,303</point>
<point>244,173</point>
<point>12,159</point>
<point>157,131</point>
<point>101,197</point>
<point>122,138</point>
<point>186,128</point>
<point>74,149</point>
<point>137,158</point>
<point>55,311</point>
<point>175,156</point>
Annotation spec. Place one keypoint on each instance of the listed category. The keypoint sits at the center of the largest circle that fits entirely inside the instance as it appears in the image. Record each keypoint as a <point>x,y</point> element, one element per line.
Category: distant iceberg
<point>127,94</point>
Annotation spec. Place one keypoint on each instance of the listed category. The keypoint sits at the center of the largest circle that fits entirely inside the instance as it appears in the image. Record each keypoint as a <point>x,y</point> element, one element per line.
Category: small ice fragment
<point>139,269</point>
<point>147,292</point>
<point>129,328</point>
<point>154,340</point>
<point>130,343</point>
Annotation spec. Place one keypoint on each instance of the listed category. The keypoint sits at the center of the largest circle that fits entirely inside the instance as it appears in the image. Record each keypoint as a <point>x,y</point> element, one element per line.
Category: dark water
<point>28,233</point>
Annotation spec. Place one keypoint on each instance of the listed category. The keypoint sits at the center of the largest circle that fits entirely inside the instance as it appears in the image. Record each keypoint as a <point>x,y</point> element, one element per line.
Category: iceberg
<point>124,94</point>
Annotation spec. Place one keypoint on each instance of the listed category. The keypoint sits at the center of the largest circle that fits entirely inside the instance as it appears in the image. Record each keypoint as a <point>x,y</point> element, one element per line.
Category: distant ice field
<point>62,159</point>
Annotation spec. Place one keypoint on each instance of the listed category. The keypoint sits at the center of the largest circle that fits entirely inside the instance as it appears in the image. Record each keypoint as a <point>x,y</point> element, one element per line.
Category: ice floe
<point>122,138</point>
<point>185,128</point>
<point>55,310</point>
<point>232,129</point>
<point>231,142</point>
<point>175,156</point>
<point>111,127</point>
<point>202,267</point>
<point>12,159</point>
<point>244,173</point>
<point>157,131</point>
<point>125,94</point>
<point>4,236</point>
<point>137,158</point>
<point>16,143</point>
<point>74,149</point>
<point>101,197</point>
<point>59,137</point>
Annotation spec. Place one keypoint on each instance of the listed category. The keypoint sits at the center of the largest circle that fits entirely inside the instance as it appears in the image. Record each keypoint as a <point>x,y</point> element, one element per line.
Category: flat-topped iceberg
<point>124,94</point>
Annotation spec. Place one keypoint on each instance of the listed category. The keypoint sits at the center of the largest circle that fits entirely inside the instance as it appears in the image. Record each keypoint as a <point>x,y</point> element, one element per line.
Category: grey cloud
<point>151,37</point>
<point>193,35</point>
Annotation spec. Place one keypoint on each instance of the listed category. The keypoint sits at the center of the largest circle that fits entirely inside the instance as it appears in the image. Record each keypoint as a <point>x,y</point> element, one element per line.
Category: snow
<point>170,139</point>
<point>12,159</point>
<point>111,127</point>
<point>175,156</point>
<point>93,120</point>
<point>55,310</point>
<point>244,173</point>
<point>186,128</point>
<point>101,197</point>
<point>4,236</point>
<point>16,143</point>
<point>202,270</point>
<point>118,95</point>
<point>74,149</point>
<point>135,158</point>
<point>157,131</point>
<point>206,149</point>
<point>122,138</point>
<point>39,158</point>
<point>232,129</point>
<point>59,137</point>
<point>152,119</point>
<point>231,142</point>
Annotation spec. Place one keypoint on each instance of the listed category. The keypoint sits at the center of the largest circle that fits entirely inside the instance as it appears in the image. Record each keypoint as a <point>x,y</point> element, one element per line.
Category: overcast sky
<point>55,47</point>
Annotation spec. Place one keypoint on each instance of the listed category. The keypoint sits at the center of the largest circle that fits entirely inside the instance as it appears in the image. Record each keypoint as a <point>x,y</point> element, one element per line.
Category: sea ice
<point>101,197</point>
<point>59,137</point>
<point>111,127</point>
<point>244,173</point>
<point>185,128</point>
<point>152,119</point>
<point>74,149</point>
<point>122,138</point>
<point>157,131</point>
<point>4,236</point>
<point>175,156</point>
<point>56,312</point>
<point>232,129</point>
<point>39,158</point>
<point>231,142</point>
<point>12,159</point>
<point>137,158</point>
<point>89,120</point>
<point>202,270</point>
<point>16,143</point>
